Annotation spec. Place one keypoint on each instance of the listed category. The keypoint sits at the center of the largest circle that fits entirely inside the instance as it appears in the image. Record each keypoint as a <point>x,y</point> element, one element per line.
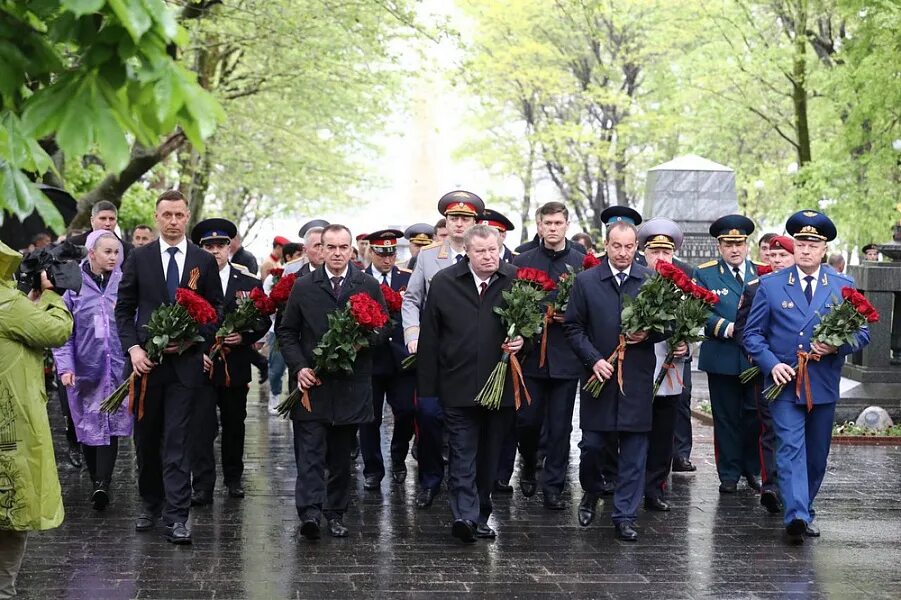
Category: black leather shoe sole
<point>310,530</point>
<point>178,540</point>
<point>100,499</point>
<point>684,468</point>
<point>143,524</point>
<point>463,532</point>
<point>656,505</point>
<point>812,530</point>
<point>626,533</point>
<point>770,501</point>
<point>794,531</point>
<point>728,488</point>
<point>425,499</point>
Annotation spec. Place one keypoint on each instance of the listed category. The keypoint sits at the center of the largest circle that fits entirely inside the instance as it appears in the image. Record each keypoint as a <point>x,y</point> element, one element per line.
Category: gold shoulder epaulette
<point>244,271</point>
<point>432,245</point>
<point>707,264</point>
<point>403,270</point>
<point>758,264</point>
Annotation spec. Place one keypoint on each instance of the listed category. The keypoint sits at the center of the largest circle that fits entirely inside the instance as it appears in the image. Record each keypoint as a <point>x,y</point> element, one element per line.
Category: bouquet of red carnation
<point>764,270</point>
<point>276,273</point>
<point>249,310</point>
<point>282,290</point>
<point>393,299</point>
<point>171,324</point>
<point>557,307</point>
<point>652,310</point>
<point>837,327</point>
<point>349,330</point>
<point>691,315</point>
<point>522,317</point>
<point>590,261</point>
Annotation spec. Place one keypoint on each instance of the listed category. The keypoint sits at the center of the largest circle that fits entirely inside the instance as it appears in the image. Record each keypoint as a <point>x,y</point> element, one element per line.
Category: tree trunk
<point>799,84</point>
<point>196,167</point>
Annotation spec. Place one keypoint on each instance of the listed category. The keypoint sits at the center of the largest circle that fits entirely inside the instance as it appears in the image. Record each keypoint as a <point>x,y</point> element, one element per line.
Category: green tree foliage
<point>89,76</point>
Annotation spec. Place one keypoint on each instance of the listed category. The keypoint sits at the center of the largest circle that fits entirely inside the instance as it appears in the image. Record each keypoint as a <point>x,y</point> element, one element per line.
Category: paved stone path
<point>708,547</point>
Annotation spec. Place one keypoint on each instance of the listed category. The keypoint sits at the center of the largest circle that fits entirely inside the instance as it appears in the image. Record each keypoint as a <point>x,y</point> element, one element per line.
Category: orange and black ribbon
<point>219,348</point>
<point>619,354</point>
<point>140,396</point>
<point>548,318</point>
<point>519,383</point>
<point>803,377</point>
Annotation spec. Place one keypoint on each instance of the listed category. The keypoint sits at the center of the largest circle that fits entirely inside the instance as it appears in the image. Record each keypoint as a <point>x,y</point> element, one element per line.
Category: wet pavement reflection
<point>708,546</point>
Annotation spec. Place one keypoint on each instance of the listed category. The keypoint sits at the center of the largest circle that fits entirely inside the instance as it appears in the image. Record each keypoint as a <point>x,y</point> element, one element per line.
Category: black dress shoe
<point>770,501</point>
<point>728,487</point>
<point>553,501</point>
<point>200,498</point>
<point>264,375</point>
<point>812,530</point>
<point>144,522</point>
<point>399,477</point>
<point>100,495</point>
<point>310,529</point>
<point>683,465</point>
<point>235,490</point>
<point>484,532</point>
<point>372,482</point>
<point>795,531</point>
<point>425,497</point>
<point>587,508</point>
<point>626,532</point>
<point>503,487</point>
<point>464,531</point>
<point>753,482</point>
<point>656,504</point>
<point>336,528</point>
<point>177,533</point>
<point>528,487</point>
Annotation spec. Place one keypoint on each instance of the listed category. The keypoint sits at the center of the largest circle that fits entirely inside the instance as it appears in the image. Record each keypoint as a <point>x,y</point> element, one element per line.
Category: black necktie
<point>172,274</point>
<point>808,291</point>
<point>336,284</point>
<point>482,287</point>
<point>738,276</point>
<point>458,258</point>
<point>621,277</point>
<point>385,278</point>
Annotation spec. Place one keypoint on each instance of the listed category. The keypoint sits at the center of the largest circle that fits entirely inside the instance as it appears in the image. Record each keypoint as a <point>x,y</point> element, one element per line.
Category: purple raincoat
<point>94,355</point>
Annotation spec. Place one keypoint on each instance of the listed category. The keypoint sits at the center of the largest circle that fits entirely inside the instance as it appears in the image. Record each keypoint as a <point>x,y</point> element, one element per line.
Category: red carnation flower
<point>763,270</point>
<point>366,311</point>
<point>847,291</point>
<point>276,272</point>
<point>590,261</point>
<point>282,290</point>
<point>201,311</point>
<point>536,277</point>
<point>393,299</point>
<point>262,302</point>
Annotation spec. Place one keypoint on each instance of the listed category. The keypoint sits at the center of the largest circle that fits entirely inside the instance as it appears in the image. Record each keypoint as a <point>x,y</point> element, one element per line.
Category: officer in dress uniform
<point>419,235</point>
<point>389,381</point>
<point>494,219</point>
<point>735,423</point>
<point>230,377</point>
<point>781,255</point>
<point>785,312</point>
<point>460,209</point>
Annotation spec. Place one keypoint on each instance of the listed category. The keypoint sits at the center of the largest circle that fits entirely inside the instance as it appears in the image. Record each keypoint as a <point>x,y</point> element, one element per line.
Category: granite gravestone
<point>692,191</point>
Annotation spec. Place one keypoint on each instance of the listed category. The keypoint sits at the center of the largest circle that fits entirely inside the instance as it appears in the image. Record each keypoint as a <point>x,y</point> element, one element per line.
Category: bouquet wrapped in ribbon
<point>652,310</point>
<point>522,316</point>
<point>282,289</point>
<point>394,300</point>
<point>250,309</point>
<point>349,330</point>
<point>837,327</point>
<point>691,314</point>
<point>175,324</point>
<point>564,290</point>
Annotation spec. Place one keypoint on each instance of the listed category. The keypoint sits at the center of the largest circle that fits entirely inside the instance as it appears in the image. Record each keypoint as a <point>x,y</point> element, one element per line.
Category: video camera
<point>60,261</point>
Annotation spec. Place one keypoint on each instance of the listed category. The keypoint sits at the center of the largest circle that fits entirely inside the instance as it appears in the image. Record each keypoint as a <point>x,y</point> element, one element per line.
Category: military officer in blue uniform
<point>785,312</point>
<point>735,423</point>
<point>460,210</point>
<point>494,219</point>
<point>390,382</point>
<point>419,235</point>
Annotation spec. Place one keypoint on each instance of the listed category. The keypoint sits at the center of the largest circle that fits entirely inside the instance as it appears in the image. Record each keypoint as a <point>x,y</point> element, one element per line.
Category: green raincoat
<point>30,497</point>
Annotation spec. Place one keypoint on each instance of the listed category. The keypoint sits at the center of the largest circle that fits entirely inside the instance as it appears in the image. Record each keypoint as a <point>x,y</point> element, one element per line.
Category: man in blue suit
<point>389,381</point>
<point>735,423</point>
<point>785,312</point>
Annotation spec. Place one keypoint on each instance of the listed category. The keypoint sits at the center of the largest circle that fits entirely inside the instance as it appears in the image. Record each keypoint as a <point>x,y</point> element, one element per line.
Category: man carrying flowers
<point>462,339</point>
<point>338,400</point>
<point>782,331</point>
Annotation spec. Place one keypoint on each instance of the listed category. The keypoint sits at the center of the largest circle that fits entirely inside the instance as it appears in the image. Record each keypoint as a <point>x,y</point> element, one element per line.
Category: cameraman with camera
<point>30,497</point>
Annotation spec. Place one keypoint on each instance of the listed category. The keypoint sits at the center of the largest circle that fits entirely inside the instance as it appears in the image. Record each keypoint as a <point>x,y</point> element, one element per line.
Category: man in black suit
<point>104,215</point>
<point>150,278</point>
<point>230,378</point>
<point>619,419</point>
<point>460,344</point>
<point>340,402</point>
<point>390,382</point>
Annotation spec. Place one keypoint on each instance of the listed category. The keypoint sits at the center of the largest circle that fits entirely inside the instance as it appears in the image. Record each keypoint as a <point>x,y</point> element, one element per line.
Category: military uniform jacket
<point>781,323</point>
<point>720,354</point>
<point>430,260</point>
<point>592,327</point>
<point>387,358</point>
<point>342,399</point>
<point>461,336</point>
<point>561,361</point>
<point>238,357</point>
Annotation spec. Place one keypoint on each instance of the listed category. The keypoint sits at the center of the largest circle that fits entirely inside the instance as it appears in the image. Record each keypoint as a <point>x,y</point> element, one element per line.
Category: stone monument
<point>694,192</point>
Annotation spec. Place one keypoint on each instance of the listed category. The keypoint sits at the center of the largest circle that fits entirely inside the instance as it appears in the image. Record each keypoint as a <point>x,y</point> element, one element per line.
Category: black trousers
<point>232,403</point>
<point>101,460</point>
<point>163,450</point>
<point>507,460</point>
<point>660,445</point>
<point>317,447</point>
<point>736,428</point>
<point>398,391</point>
<point>599,461</point>
<point>682,433</point>
<point>553,401</point>
<point>61,392</point>
<point>475,436</point>
<point>766,441</point>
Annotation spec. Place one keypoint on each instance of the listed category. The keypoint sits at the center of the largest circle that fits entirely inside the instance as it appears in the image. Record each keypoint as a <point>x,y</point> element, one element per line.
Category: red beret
<point>280,241</point>
<point>782,242</point>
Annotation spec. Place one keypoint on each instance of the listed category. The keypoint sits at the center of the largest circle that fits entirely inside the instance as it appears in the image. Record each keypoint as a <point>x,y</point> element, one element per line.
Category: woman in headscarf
<point>90,364</point>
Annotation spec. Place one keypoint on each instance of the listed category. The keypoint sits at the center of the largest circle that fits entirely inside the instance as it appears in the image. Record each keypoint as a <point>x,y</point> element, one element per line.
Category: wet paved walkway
<point>708,547</point>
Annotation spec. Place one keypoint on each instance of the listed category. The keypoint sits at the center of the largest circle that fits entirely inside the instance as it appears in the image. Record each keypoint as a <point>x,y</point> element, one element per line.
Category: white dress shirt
<point>179,256</point>
<point>378,276</point>
<point>741,270</point>
<point>342,275</point>
<point>224,275</point>
<point>479,281</point>
<point>616,271</point>
<point>813,284</point>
